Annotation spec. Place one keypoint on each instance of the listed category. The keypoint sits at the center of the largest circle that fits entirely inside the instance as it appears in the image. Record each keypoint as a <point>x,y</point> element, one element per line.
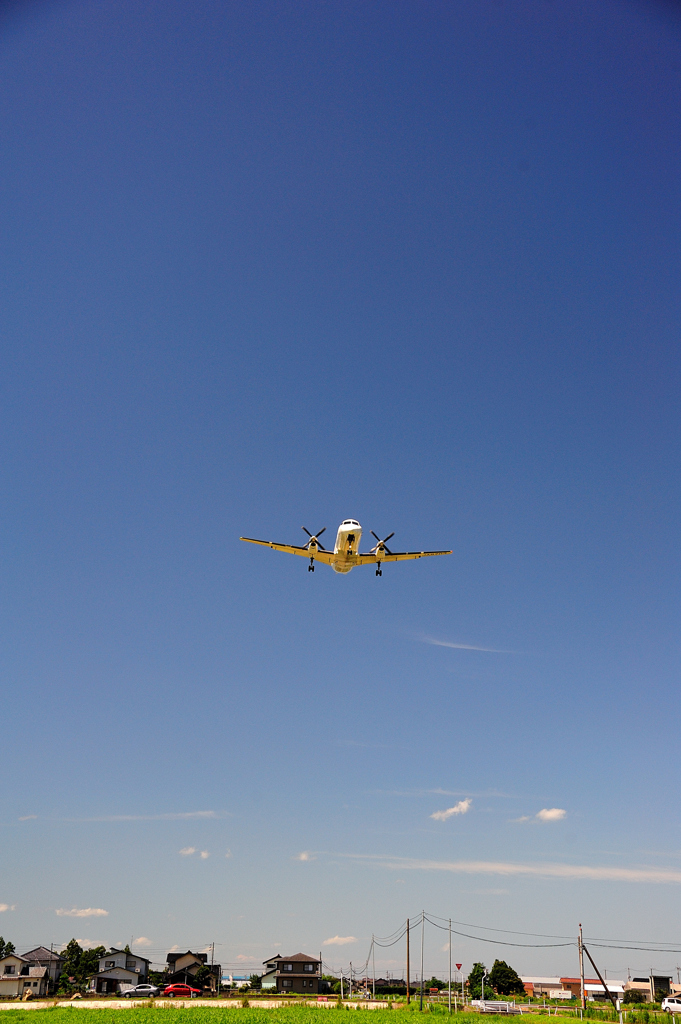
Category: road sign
<point>459,966</point>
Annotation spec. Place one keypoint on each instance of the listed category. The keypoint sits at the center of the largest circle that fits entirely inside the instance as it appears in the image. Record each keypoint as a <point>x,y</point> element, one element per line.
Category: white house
<point>18,975</point>
<point>116,968</point>
<point>43,957</point>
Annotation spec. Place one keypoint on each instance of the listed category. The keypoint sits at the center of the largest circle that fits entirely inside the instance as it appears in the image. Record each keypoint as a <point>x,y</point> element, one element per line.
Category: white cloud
<point>339,940</point>
<point>585,872</point>
<point>29,817</point>
<point>461,808</point>
<point>305,855</point>
<point>551,814</point>
<point>7,906</point>
<point>463,647</point>
<point>174,949</point>
<point>143,942</point>
<point>187,851</point>
<point>204,855</point>
<point>445,947</point>
<point>517,821</point>
<point>84,912</point>
<point>242,958</point>
<point>228,854</point>
<point>86,943</point>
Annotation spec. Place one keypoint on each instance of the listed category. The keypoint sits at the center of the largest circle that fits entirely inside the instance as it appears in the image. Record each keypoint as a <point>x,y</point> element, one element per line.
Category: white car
<point>671,1004</point>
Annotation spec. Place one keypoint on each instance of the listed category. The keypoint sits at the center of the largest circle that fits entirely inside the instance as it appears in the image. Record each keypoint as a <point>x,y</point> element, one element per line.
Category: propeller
<point>314,537</point>
<point>382,543</point>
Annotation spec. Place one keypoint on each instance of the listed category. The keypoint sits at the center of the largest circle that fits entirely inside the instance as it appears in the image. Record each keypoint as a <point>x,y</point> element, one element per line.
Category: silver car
<point>142,992</point>
<point>671,1004</point>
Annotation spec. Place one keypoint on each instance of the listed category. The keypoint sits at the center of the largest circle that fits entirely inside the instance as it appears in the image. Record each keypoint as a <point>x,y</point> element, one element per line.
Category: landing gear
<point>310,567</point>
<point>379,571</point>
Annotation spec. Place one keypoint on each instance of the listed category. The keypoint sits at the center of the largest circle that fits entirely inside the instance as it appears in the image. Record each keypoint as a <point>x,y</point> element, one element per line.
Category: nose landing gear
<point>379,571</point>
<point>310,567</point>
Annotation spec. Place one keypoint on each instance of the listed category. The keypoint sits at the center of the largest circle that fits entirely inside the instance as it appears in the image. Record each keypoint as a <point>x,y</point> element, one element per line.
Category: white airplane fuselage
<point>347,545</point>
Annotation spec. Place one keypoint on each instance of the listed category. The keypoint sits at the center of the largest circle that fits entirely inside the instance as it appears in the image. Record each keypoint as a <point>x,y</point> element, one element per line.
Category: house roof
<point>41,953</point>
<point>298,957</point>
<point>174,957</point>
<point>13,956</point>
<point>113,951</point>
<point>37,972</point>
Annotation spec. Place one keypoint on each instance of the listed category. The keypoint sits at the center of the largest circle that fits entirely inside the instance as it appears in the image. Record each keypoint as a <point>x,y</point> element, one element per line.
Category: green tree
<point>433,983</point>
<point>202,975</point>
<point>79,966</point>
<point>632,995</point>
<point>475,981</point>
<point>6,948</point>
<point>504,980</point>
<point>255,981</point>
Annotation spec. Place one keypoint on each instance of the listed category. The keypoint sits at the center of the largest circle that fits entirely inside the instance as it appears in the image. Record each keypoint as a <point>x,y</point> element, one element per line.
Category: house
<point>536,987</point>
<point>118,967</point>
<point>183,968</point>
<point>18,975</point>
<point>297,973</point>
<point>657,985</point>
<point>42,957</point>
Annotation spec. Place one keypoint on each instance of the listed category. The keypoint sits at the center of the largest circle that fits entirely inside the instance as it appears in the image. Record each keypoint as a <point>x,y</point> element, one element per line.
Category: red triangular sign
<point>459,966</point>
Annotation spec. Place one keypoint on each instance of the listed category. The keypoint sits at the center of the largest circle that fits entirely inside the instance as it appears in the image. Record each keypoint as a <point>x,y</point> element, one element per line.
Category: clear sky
<point>282,263</point>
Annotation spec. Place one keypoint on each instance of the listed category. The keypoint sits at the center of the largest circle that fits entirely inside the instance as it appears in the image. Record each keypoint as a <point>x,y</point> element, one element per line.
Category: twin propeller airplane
<point>346,554</point>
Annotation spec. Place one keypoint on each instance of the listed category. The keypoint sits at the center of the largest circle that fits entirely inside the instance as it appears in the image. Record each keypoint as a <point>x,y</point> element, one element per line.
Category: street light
<point>482,983</point>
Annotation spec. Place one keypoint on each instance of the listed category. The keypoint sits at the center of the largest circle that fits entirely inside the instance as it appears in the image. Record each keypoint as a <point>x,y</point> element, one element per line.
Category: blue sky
<point>281,264</point>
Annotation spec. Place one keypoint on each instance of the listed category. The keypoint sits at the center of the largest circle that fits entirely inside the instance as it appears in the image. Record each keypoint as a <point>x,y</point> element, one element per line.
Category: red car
<point>181,991</point>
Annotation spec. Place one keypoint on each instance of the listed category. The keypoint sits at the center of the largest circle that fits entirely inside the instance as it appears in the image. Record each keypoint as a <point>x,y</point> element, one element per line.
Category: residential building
<point>18,975</point>
<point>536,987</point>
<point>42,957</point>
<point>118,967</point>
<point>183,967</point>
<point>297,973</point>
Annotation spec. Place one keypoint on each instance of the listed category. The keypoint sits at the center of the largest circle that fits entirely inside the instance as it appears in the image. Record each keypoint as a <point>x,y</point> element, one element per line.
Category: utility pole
<point>373,969</point>
<point>423,927</point>
<point>341,985</point>
<point>350,992</point>
<point>408,968</point>
<point>581,967</point>
<point>450,965</point>
<point>600,978</point>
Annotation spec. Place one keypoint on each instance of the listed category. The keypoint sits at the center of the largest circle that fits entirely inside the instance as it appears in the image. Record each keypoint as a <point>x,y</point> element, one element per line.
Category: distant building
<point>297,973</point>
<point>18,975</point>
<point>118,967</point>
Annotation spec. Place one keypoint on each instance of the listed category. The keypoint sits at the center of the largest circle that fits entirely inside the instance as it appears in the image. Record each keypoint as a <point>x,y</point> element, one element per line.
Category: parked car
<point>141,991</point>
<point>671,1004</point>
<point>181,991</point>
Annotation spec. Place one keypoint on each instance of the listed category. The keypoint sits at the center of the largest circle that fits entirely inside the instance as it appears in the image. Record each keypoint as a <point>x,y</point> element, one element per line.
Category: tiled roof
<point>37,972</point>
<point>41,953</point>
<point>301,956</point>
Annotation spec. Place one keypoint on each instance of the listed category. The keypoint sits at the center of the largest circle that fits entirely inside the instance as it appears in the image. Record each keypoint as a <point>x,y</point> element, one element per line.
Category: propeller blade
<point>322,531</point>
<point>306,530</point>
<point>387,549</point>
<point>376,536</point>
<point>389,536</point>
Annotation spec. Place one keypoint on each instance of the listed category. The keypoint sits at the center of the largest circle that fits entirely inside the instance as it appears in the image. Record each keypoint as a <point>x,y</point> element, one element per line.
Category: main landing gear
<point>379,571</point>
<point>310,567</point>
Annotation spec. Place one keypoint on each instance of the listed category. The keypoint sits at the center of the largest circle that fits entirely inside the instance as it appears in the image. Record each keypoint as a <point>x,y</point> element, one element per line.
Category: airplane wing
<point>397,556</point>
<point>292,549</point>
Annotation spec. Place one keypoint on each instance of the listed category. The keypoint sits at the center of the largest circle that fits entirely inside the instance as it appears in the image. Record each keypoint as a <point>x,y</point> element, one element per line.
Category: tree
<point>433,983</point>
<point>202,975</point>
<point>6,948</point>
<point>79,965</point>
<point>255,981</point>
<point>504,980</point>
<point>475,980</point>
<point>633,995</point>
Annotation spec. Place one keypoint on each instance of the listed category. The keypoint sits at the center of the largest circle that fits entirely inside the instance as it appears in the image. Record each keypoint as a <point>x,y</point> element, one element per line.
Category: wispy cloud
<point>143,942</point>
<point>84,912</point>
<point>29,817</point>
<point>463,647</point>
<point>187,851</point>
<point>175,816</point>
<point>339,940</point>
<point>586,872</point>
<point>305,856</point>
<point>204,855</point>
<point>461,808</point>
<point>551,814</point>
<point>228,854</point>
<point>7,906</point>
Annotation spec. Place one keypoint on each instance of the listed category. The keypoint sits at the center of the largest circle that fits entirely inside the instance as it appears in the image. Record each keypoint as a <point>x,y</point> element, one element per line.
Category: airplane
<point>346,555</point>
